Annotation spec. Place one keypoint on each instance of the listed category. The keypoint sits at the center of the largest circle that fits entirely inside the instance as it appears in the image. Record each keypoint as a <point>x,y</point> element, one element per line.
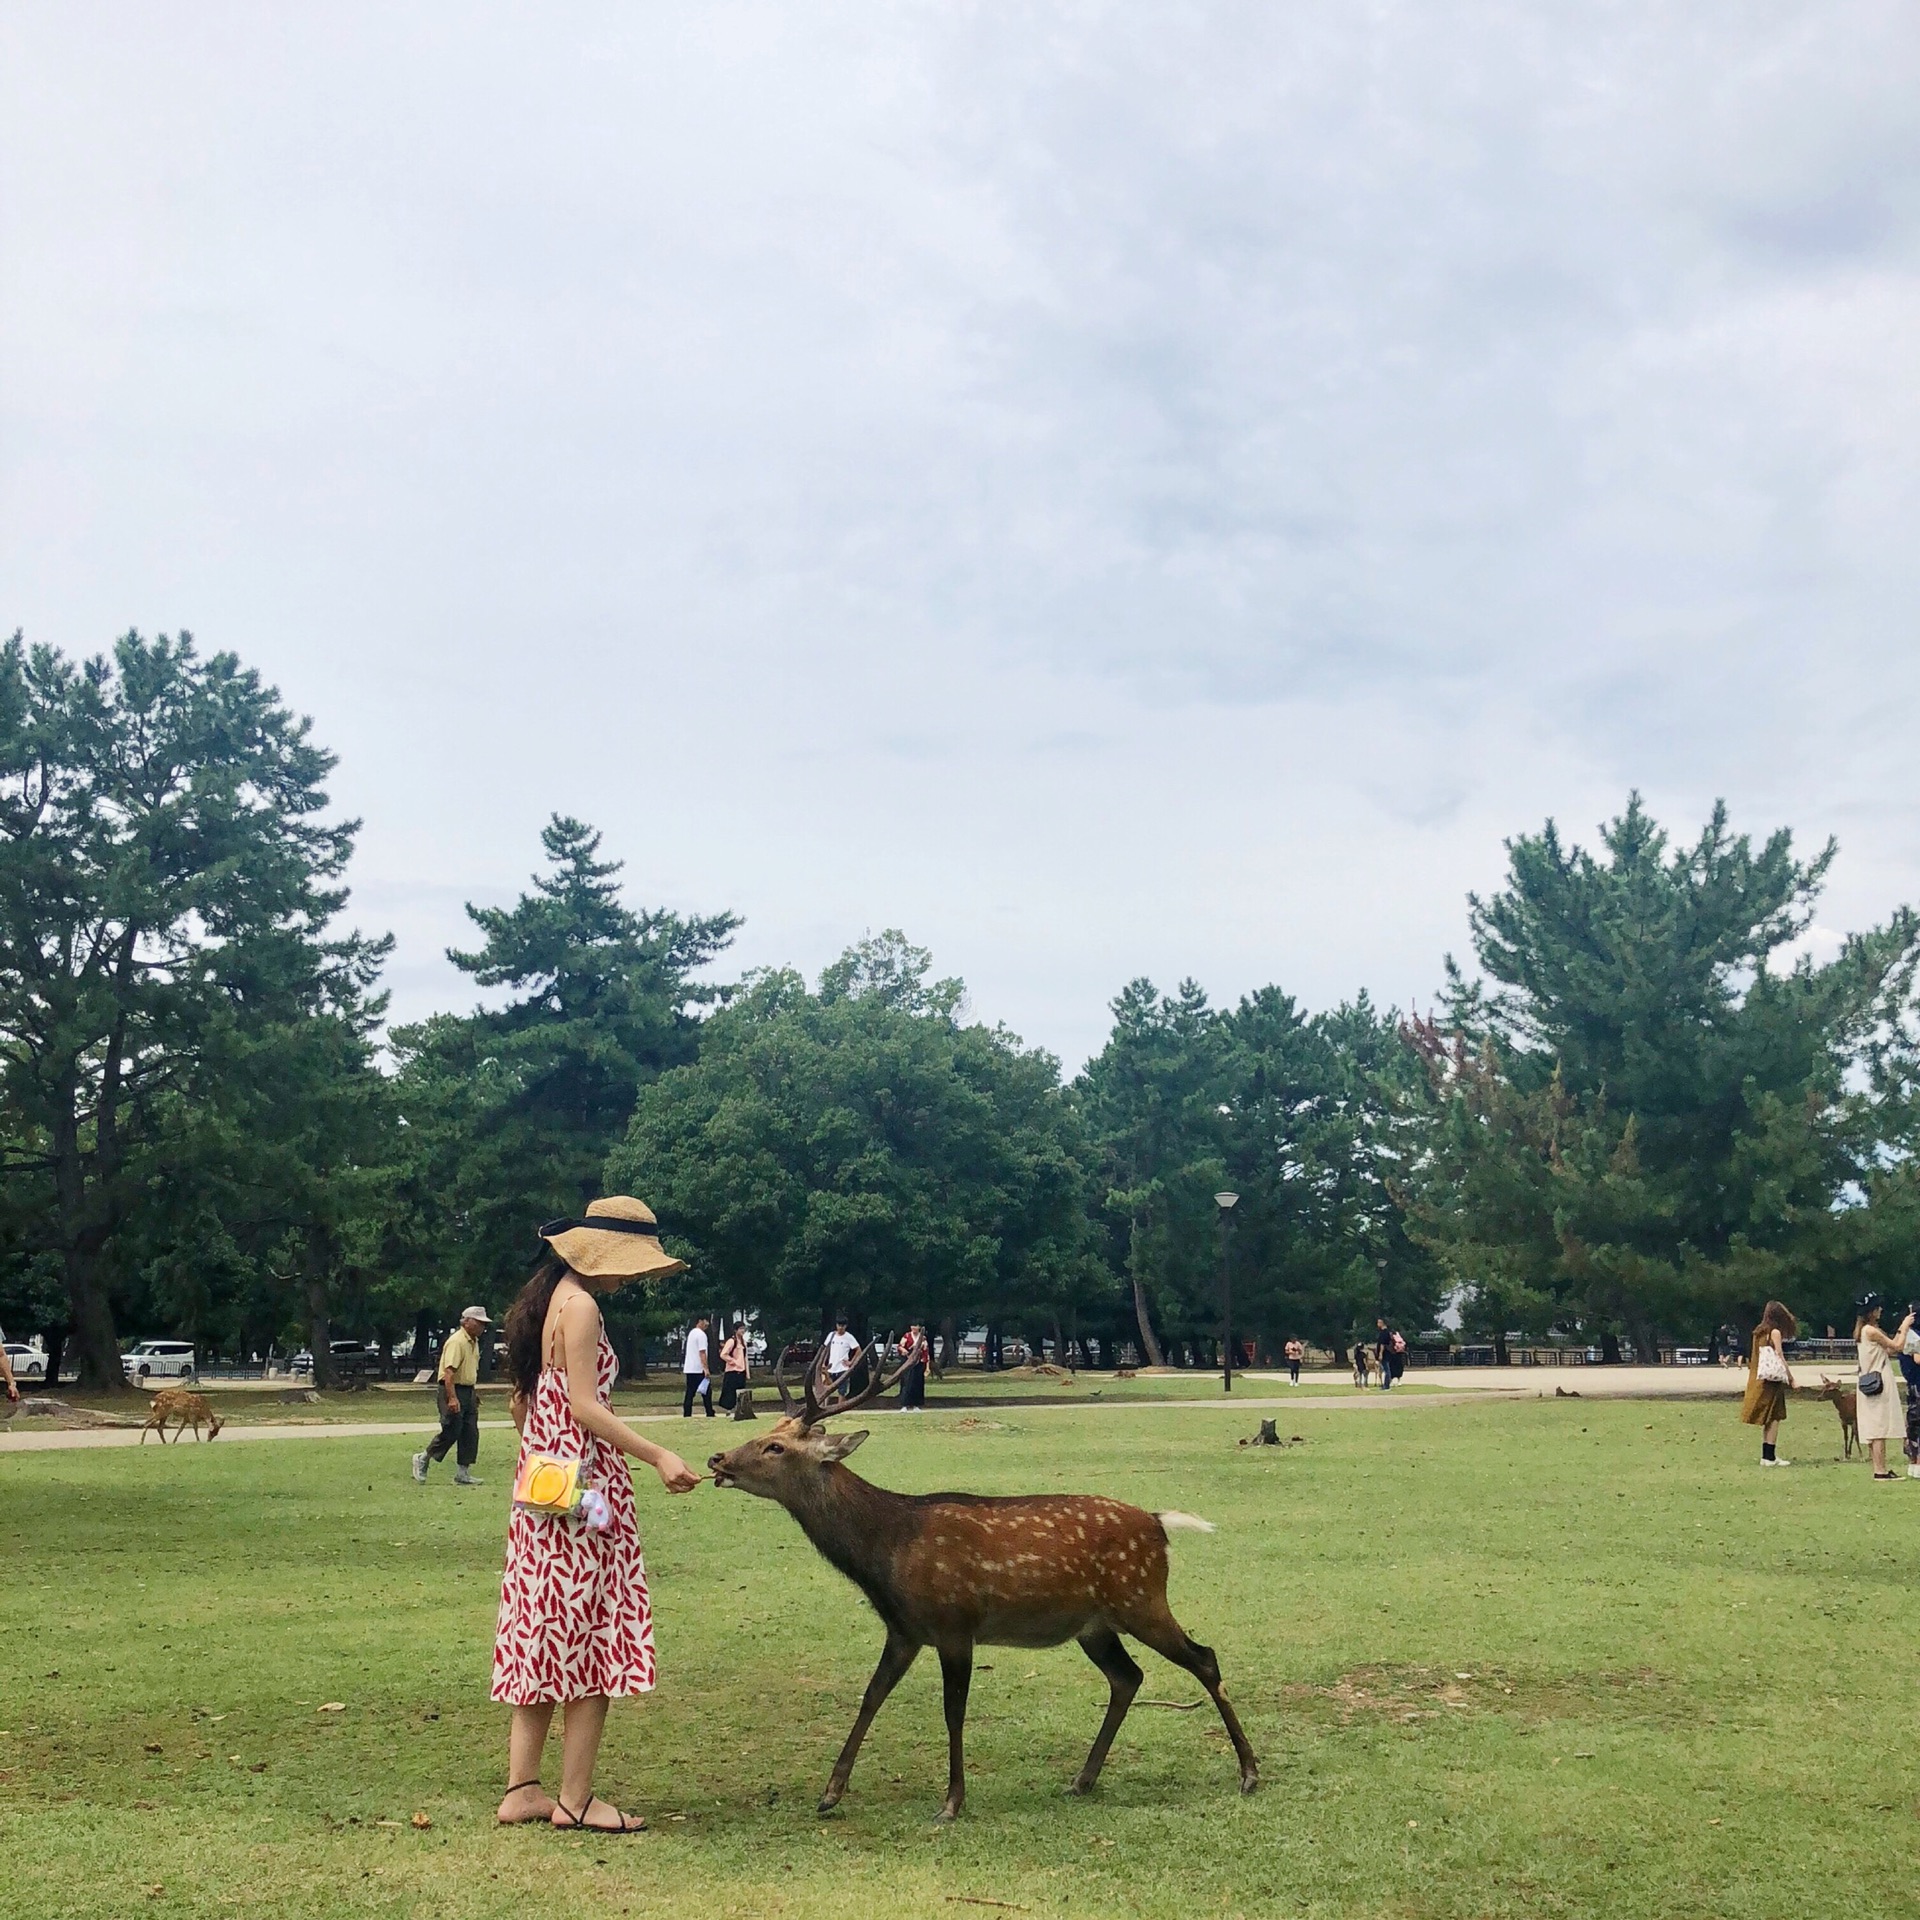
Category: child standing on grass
<point>1769,1379</point>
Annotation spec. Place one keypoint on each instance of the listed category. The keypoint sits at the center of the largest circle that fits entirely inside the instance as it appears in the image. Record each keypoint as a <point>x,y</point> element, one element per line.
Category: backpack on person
<point>1399,1343</point>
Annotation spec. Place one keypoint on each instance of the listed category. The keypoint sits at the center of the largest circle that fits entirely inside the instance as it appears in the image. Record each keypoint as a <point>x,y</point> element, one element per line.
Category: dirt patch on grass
<point>1410,1694</point>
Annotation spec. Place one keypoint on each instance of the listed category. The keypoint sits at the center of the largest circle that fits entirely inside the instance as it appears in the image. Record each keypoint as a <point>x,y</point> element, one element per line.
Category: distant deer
<point>1846,1403</point>
<point>188,1409</point>
<point>953,1570</point>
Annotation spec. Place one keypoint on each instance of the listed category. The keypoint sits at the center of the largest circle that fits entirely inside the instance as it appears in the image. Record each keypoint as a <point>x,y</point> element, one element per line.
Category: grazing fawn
<point>187,1409</point>
<point>954,1570</point>
<point>1846,1403</point>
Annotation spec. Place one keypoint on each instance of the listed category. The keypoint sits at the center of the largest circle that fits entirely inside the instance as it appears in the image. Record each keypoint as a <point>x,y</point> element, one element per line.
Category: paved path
<point>29,1437</point>
<point>1462,1385</point>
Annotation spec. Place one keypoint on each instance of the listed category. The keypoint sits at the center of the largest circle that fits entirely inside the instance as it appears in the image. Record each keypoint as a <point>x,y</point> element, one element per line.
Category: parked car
<point>160,1360</point>
<point>28,1363</point>
<point>349,1362</point>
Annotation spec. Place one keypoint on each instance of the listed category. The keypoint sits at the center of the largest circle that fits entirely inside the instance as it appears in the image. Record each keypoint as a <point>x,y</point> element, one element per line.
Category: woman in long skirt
<point>1769,1380</point>
<point>576,1623</point>
<point>1883,1417</point>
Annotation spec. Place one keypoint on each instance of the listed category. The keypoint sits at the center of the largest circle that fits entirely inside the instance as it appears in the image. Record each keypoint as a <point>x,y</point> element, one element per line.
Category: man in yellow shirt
<point>459,1401</point>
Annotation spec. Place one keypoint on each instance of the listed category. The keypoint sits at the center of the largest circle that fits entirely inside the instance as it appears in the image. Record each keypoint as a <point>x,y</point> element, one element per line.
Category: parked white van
<point>160,1360</point>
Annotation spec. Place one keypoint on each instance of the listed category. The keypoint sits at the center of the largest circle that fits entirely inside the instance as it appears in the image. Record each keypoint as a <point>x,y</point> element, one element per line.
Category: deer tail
<point>1177,1522</point>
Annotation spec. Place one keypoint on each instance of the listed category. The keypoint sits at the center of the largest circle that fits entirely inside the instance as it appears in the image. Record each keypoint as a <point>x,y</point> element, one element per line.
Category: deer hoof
<point>1249,1782</point>
<point>1079,1787</point>
<point>828,1802</point>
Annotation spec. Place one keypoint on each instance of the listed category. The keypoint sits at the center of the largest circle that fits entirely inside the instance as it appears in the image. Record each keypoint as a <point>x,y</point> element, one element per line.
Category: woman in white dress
<point>1883,1413</point>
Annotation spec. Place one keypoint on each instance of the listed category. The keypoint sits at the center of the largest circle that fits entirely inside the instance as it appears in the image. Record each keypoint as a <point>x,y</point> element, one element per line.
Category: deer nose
<point>713,1461</point>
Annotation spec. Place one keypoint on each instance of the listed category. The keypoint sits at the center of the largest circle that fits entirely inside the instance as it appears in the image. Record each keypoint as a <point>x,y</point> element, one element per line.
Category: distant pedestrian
<point>733,1365</point>
<point>459,1401</point>
<point>1882,1415</point>
<point>1296,1352</point>
<point>1769,1379</point>
<point>842,1350</point>
<point>6,1376</point>
<point>1910,1372</point>
<point>694,1369</point>
<point>913,1378</point>
<point>1388,1351</point>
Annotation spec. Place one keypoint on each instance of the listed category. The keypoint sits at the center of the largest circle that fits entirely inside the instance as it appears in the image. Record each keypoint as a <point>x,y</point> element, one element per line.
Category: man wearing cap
<point>459,1401</point>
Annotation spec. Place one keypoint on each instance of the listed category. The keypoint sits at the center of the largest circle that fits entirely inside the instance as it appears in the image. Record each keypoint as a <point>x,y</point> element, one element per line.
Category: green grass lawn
<point>1498,1659</point>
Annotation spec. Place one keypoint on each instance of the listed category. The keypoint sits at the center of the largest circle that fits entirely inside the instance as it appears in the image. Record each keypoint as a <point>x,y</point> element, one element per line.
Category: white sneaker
<point>420,1467</point>
<point>462,1478</point>
<point>1913,1472</point>
<point>1776,1463</point>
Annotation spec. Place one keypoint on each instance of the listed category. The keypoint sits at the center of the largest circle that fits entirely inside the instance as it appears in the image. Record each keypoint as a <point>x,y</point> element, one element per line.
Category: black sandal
<point>577,1822</point>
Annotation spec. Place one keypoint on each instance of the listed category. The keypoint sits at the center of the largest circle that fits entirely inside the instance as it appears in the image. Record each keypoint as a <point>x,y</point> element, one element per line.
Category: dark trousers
<point>730,1385</point>
<point>700,1384</point>
<point>913,1385</point>
<point>461,1423</point>
<point>1293,1371</point>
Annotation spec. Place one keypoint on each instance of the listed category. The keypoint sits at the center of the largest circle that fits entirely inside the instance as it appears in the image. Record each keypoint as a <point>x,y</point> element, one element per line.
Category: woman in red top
<point>576,1624</point>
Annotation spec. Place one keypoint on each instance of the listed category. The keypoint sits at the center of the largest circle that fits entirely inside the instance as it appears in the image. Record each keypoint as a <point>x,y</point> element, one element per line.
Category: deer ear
<point>839,1445</point>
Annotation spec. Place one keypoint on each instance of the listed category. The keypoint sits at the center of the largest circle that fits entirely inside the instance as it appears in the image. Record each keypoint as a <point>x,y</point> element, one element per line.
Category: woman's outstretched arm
<point>580,1338</point>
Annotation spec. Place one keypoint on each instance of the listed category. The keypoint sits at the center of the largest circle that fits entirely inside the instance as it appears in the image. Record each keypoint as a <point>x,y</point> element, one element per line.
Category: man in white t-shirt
<point>842,1350</point>
<point>694,1370</point>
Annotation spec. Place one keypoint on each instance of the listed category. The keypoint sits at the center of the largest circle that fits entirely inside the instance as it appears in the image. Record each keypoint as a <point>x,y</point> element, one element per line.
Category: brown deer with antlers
<point>954,1570</point>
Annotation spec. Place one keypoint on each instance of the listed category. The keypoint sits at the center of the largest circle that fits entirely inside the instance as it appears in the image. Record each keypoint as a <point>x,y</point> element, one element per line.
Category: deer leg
<point>895,1658</point>
<point>1102,1646</point>
<point>1171,1641</point>
<point>956,1676</point>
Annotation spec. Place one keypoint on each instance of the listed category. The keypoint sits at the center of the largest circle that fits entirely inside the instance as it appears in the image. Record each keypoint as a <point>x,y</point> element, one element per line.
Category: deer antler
<point>817,1409</point>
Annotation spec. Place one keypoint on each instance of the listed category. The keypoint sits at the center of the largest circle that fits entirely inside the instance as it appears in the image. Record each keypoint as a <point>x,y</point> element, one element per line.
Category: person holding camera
<point>1882,1414</point>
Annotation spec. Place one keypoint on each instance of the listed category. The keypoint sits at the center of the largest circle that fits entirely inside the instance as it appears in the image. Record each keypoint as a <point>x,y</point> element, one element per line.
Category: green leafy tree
<point>166,886</point>
<point>865,1147</point>
<point>1294,1113</point>
<point>1643,1117</point>
<point>511,1111</point>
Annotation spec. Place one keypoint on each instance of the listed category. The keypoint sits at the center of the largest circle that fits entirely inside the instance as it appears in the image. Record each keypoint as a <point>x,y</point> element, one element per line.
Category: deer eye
<point>774,1446</point>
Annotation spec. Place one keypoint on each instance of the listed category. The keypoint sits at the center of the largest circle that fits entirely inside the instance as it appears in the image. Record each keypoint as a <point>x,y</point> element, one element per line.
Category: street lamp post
<point>1226,1202</point>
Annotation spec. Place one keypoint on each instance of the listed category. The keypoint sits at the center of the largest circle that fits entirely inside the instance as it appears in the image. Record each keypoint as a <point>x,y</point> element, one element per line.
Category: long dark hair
<point>527,1321</point>
<point>1777,1315</point>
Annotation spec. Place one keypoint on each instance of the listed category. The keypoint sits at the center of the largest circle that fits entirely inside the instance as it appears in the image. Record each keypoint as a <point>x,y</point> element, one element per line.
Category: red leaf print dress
<point>575,1620</point>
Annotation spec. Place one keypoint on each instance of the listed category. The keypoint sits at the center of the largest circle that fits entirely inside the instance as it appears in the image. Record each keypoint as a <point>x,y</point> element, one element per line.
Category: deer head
<point>780,1464</point>
<point>214,1424</point>
<point>1831,1389</point>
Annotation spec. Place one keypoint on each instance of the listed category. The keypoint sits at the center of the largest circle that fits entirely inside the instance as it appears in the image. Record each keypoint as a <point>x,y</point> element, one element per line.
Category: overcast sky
<point>1107,489</point>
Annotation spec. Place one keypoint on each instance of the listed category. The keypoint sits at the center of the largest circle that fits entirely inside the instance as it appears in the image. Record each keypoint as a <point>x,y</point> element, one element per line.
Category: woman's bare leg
<point>579,1751</point>
<point>1877,1453</point>
<point>526,1742</point>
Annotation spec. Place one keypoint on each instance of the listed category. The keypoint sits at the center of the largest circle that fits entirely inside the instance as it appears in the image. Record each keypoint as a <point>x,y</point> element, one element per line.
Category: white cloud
<point>1109,489</point>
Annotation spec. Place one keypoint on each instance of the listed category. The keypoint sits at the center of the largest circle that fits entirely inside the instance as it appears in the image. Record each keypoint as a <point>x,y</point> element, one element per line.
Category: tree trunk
<point>91,1325</point>
<point>319,1330</point>
<point>1148,1344</point>
<point>1609,1349</point>
<point>949,1344</point>
<point>1340,1354</point>
<point>1501,1357</point>
<point>422,1357</point>
<point>54,1339</point>
<point>1061,1357</point>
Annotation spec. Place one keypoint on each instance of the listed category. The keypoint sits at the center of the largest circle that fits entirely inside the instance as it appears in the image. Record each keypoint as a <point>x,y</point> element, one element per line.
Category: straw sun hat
<point>617,1239</point>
